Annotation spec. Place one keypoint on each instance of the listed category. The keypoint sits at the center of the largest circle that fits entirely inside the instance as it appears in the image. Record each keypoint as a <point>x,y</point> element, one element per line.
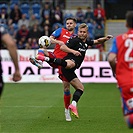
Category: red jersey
<point>100,13</point>
<point>62,35</point>
<point>124,66</point>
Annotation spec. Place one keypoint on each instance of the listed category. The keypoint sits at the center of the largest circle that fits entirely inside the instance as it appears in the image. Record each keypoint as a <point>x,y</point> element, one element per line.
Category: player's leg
<point>40,57</point>
<point>67,94</point>
<point>1,85</point>
<point>127,102</point>
<point>38,62</point>
<point>70,75</point>
<point>67,98</point>
<point>79,88</point>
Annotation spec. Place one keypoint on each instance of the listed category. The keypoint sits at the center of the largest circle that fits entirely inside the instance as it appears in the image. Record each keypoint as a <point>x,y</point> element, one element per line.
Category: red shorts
<point>51,55</point>
<point>127,99</point>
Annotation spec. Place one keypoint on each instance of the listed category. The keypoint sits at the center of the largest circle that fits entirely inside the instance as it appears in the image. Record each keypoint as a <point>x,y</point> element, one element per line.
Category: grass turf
<point>38,108</point>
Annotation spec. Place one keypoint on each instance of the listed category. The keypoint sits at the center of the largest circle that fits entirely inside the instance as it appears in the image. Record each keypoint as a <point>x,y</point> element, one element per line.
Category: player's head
<point>70,23</point>
<point>83,31</point>
<point>129,19</point>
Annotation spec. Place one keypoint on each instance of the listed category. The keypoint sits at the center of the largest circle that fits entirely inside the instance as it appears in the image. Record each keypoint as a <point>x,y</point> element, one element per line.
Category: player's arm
<point>112,61</point>
<point>55,41</point>
<point>55,35</point>
<point>112,56</point>
<point>103,39</point>
<point>11,46</point>
<point>7,39</point>
<point>67,48</point>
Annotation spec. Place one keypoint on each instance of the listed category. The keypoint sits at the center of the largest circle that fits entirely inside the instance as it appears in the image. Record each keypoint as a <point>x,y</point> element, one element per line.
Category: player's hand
<point>76,53</point>
<point>16,76</point>
<point>109,37</point>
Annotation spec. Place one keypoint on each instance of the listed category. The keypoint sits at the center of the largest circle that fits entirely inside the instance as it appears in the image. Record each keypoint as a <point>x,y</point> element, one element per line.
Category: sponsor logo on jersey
<point>66,36</point>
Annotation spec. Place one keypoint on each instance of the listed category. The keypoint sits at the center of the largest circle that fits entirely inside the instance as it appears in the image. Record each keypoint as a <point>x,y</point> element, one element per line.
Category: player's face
<point>83,33</point>
<point>70,25</point>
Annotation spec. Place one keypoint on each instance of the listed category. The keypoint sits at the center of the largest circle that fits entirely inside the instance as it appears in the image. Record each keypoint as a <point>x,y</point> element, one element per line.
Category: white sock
<point>74,103</point>
<point>66,110</point>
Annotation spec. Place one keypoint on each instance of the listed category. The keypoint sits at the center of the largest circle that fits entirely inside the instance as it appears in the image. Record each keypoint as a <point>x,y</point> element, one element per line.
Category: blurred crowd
<point>26,22</point>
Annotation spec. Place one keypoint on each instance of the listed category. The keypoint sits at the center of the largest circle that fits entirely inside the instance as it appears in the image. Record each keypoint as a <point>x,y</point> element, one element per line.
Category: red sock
<point>131,120</point>
<point>67,99</point>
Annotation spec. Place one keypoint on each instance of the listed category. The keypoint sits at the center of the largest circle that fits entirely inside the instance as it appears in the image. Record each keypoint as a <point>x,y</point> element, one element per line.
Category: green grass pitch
<point>38,108</point>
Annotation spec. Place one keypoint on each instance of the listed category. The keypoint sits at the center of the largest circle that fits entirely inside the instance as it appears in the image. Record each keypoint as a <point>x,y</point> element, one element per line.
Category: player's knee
<point>66,87</point>
<point>70,64</point>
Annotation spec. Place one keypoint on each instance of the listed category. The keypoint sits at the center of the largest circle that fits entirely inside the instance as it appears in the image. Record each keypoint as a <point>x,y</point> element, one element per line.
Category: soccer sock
<point>58,61</point>
<point>67,97</point>
<point>40,52</point>
<point>130,121</point>
<point>76,96</point>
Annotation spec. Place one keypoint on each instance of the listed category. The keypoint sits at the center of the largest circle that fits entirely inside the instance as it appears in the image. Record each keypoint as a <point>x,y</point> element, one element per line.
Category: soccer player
<point>59,37</point>
<point>76,48</point>
<point>121,61</point>
<point>11,46</point>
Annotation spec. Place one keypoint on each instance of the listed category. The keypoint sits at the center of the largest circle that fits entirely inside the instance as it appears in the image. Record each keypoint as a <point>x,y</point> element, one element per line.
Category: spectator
<point>46,30</point>
<point>12,31</point>
<point>33,21</point>
<point>34,44</point>
<point>21,44</point>
<point>46,21</point>
<point>28,44</point>
<point>23,33</point>
<point>90,30</point>
<point>46,11</point>
<point>3,15</point>
<point>79,15</point>
<point>15,15</point>
<point>35,32</point>
<point>99,14</point>
<point>98,31</point>
<point>56,26</point>
<point>67,15</point>
<point>89,15</point>
<point>23,21</point>
<point>58,15</point>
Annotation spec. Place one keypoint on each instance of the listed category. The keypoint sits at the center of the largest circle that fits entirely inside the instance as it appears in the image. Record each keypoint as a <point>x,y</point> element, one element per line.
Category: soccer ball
<point>44,41</point>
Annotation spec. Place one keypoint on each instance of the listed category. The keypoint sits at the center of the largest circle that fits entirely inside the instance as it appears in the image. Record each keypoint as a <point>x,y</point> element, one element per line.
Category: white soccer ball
<point>44,41</point>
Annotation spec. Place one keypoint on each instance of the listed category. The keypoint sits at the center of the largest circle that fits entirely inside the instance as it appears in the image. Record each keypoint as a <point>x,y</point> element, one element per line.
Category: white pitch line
<point>27,107</point>
<point>18,106</point>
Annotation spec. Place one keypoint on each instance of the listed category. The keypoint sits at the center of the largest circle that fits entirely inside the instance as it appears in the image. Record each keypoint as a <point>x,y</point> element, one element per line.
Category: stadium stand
<point>36,8</point>
<point>25,8</point>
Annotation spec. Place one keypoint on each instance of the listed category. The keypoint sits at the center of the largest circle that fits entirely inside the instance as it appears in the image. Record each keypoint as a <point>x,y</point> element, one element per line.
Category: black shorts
<point>1,85</point>
<point>69,74</point>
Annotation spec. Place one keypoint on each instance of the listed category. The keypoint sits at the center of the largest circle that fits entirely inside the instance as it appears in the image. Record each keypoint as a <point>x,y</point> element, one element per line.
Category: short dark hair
<point>71,18</point>
<point>129,19</point>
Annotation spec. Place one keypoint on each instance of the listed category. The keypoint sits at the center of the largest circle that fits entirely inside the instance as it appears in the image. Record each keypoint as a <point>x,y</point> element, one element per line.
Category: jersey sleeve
<point>90,43</point>
<point>57,33</point>
<point>113,48</point>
